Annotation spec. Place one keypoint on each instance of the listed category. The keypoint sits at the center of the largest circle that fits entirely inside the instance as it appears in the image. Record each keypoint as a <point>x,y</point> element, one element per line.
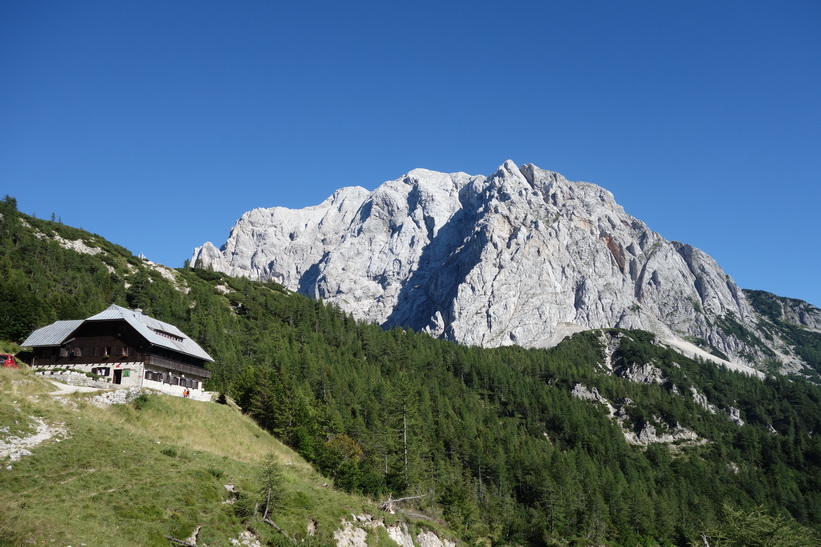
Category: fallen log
<point>266,520</point>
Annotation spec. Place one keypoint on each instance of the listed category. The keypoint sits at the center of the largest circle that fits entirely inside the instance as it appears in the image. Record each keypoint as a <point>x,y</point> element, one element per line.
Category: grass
<point>9,347</point>
<point>133,474</point>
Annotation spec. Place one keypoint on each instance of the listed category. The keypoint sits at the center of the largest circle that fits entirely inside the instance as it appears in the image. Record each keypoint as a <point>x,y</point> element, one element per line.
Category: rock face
<point>523,257</point>
<point>642,374</point>
<point>644,435</point>
<point>354,534</point>
<point>789,310</point>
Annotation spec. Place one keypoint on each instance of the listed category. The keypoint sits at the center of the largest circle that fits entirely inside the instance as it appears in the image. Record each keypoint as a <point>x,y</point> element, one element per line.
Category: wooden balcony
<point>162,362</point>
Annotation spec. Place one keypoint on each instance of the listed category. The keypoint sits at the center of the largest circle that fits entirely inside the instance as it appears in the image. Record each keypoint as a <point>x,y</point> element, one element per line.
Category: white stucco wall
<point>133,375</point>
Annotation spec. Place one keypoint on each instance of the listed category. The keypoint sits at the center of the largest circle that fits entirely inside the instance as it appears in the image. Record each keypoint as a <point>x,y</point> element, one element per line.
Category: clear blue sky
<point>156,124</point>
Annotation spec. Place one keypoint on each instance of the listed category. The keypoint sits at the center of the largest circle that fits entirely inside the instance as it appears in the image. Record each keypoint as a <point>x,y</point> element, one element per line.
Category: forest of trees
<point>491,438</point>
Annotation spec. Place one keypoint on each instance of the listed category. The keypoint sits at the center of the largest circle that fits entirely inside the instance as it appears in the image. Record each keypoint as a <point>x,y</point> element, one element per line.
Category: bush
<point>141,401</point>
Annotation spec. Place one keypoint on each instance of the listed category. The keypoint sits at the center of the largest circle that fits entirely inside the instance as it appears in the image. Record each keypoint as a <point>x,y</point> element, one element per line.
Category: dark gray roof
<point>154,331</point>
<point>52,335</point>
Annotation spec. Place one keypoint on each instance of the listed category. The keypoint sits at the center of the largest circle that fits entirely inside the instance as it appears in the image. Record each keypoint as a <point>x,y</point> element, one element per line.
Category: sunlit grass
<point>133,474</point>
<point>22,382</point>
<point>224,433</point>
<point>9,347</point>
<point>19,389</point>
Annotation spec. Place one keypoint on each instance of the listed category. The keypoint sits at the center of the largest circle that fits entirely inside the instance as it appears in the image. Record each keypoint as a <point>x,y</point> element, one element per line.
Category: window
<point>126,372</point>
<point>165,334</point>
<point>153,376</point>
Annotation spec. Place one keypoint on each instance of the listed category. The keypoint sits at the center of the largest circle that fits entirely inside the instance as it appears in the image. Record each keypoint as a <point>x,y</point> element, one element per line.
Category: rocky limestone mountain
<point>523,257</point>
<point>779,309</point>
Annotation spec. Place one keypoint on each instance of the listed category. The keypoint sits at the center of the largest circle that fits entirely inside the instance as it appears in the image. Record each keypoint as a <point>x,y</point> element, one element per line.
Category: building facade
<point>123,348</point>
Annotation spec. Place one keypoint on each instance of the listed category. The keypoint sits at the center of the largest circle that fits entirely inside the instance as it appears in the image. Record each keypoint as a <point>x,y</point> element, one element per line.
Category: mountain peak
<point>509,166</point>
<point>509,170</point>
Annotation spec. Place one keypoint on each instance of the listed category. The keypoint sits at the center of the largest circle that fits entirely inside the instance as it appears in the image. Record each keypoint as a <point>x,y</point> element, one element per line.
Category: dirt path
<point>65,389</point>
<point>13,447</point>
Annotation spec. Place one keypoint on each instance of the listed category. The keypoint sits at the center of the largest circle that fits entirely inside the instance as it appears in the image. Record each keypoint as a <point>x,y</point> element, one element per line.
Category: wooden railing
<point>175,365</point>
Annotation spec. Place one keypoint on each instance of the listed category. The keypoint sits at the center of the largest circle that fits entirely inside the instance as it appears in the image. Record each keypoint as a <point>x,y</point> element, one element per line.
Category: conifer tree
<point>271,487</point>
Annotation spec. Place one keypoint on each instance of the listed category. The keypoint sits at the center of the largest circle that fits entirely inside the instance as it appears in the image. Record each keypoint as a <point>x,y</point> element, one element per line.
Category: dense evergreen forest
<point>492,439</point>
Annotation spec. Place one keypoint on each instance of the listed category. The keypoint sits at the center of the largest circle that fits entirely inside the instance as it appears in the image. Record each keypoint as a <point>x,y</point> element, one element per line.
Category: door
<point>118,376</point>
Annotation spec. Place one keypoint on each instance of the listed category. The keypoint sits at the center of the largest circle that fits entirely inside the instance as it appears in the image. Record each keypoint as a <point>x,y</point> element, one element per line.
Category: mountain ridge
<point>523,256</point>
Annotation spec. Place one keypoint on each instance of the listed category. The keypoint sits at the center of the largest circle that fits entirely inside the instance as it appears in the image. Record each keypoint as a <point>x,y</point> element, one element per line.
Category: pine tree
<point>271,485</point>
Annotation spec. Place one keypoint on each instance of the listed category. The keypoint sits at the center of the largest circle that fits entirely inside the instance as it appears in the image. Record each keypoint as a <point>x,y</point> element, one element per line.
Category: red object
<point>8,360</point>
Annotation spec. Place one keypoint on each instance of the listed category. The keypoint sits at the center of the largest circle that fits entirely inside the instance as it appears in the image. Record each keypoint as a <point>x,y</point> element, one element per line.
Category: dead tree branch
<point>388,505</point>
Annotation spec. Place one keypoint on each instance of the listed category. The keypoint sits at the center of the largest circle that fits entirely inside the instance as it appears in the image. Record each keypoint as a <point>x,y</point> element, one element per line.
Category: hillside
<point>133,474</point>
<point>611,437</point>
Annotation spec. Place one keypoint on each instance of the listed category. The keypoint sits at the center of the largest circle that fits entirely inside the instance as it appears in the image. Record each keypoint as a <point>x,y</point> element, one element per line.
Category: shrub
<point>141,401</point>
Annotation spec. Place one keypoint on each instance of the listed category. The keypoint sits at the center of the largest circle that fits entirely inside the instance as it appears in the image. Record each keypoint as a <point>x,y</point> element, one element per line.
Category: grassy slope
<point>129,476</point>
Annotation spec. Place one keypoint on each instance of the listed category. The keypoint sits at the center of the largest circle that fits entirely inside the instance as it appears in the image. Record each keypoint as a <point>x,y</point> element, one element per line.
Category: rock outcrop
<point>354,533</point>
<point>788,310</point>
<point>15,447</point>
<point>647,433</point>
<point>523,257</point>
